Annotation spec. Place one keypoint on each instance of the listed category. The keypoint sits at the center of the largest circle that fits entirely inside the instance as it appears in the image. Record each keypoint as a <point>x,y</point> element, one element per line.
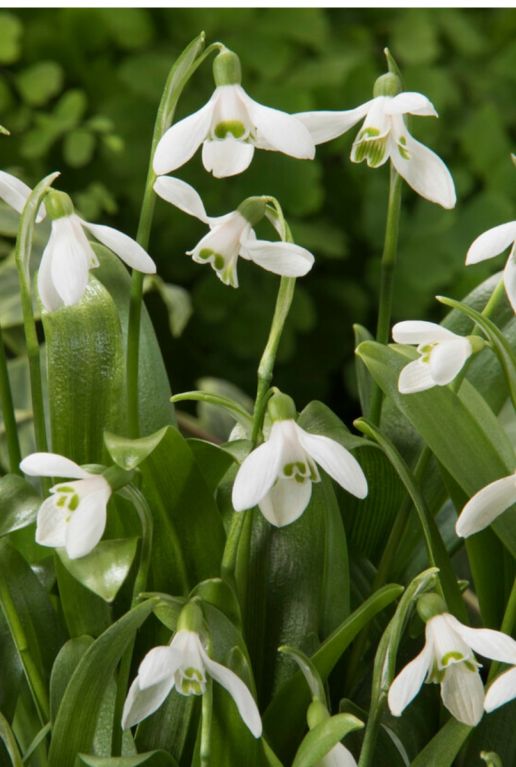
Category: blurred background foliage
<point>79,90</point>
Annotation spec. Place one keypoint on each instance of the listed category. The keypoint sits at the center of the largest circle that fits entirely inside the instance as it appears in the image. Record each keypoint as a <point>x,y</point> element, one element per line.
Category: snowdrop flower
<point>442,354</point>
<point>74,515</point>
<point>486,505</point>
<point>15,193</point>
<point>183,665</point>
<point>448,659</point>
<point>278,475</point>
<point>491,244</point>
<point>338,755</point>
<point>501,691</point>
<point>384,135</point>
<point>229,127</point>
<point>68,256</point>
<point>232,235</point>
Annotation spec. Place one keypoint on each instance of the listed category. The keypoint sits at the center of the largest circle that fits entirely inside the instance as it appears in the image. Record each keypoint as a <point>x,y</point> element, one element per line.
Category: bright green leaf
<point>104,569</point>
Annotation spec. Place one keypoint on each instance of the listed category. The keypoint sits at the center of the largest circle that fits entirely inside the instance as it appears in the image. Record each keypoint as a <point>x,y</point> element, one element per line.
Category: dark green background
<point>79,90</point>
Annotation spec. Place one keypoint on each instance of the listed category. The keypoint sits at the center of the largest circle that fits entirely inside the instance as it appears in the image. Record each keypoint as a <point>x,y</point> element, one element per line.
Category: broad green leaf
<point>40,82</point>
<point>495,733</point>
<point>64,666</point>
<point>364,382</point>
<point>78,147</point>
<point>151,759</point>
<point>11,31</point>
<point>176,299</point>
<point>76,718</point>
<point>84,612</point>
<point>20,503</point>
<point>322,738</point>
<point>104,569</point>
<point>444,747</point>
<point>213,461</point>
<point>129,453</point>
<point>219,594</point>
<point>9,740</point>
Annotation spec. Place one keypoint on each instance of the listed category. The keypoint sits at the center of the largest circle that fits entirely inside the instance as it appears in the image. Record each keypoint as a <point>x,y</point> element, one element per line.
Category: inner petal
<point>230,117</point>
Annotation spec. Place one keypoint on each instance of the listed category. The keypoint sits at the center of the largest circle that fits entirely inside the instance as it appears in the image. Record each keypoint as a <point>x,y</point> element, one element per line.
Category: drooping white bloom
<point>448,659</point>
<point>443,355</point>
<point>384,136</point>
<point>68,257</point>
<point>486,505</point>
<point>278,475</point>
<point>339,756</point>
<point>74,515</point>
<point>501,691</point>
<point>232,235</point>
<point>15,193</point>
<point>183,665</point>
<point>491,244</point>
<point>229,127</point>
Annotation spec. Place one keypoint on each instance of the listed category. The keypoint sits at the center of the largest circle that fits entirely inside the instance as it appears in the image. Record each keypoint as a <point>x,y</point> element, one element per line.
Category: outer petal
<point>421,168</point>
<point>415,377</point>
<point>335,460</point>
<point>159,664</point>
<point>257,473</point>
<point>486,506</point>
<point>286,501</point>
<point>501,691</point>
<point>491,243</point>
<point>51,524</point>
<point>49,296</point>
<point>325,126</point>
<point>408,682</point>
<point>448,358</point>
<point>280,131</point>
<point>182,140</point>
<point>487,642</point>
<point>70,259</point>
<point>16,192</point>
<point>244,701</point>
<point>279,257</point>
<point>412,103</point>
<point>142,703</point>
<point>339,756</point>
<point>125,247</point>
<point>87,524</point>
<point>182,195</point>
<point>52,465</point>
<point>420,332</point>
<point>509,278</point>
<point>462,692</point>
<point>226,157</point>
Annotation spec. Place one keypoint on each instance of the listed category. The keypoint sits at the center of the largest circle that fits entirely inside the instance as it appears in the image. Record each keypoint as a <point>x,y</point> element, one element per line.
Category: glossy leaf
<point>9,740</point>
<point>150,759</point>
<point>444,747</point>
<point>322,738</point>
<point>20,503</point>
<point>104,569</point>
<point>64,666</point>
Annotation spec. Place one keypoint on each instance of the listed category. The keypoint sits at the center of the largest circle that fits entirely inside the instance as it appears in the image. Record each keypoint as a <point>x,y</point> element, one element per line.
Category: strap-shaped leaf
<point>9,740</point>
<point>444,747</point>
<point>20,503</point>
<point>319,741</point>
<point>150,759</point>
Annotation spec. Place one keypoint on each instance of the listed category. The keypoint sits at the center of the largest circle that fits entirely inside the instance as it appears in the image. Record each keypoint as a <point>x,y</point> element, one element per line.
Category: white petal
<point>280,131</point>
<point>423,170</point>
<point>142,703</point>
<point>420,332</point>
<point>70,259</point>
<point>501,691</point>
<point>486,505</point>
<point>462,692</point>
<point>159,664</point>
<point>339,756</point>
<point>448,358</point>
<point>487,642</point>
<point>509,278</point>
<point>336,461</point>
<point>51,524</point>
<point>16,193</point>
<point>124,246</point>
<point>407,684</point>
<point>257,473</point>
<point>491,243</point>
<point>283,258</point>
<point>226,157</point>
<point>415,377</point>
<point>181,141</point>
<point>286,501</point>
<point>412,103</point>
<point>244,701</point>
<point>325,126</point>
<point>48,294</point>
<point>182,195</point>
<point>87,524</point>
<point>52,465</point>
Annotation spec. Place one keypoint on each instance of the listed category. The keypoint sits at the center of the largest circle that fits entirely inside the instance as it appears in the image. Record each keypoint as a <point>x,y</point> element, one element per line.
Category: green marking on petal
<point>402,148</point>
<point>229,127</point>
<point>453,655</point>
<point>218,261</point>
<point>288,469</point>
<point>206,253</point>
<point>73,503</point>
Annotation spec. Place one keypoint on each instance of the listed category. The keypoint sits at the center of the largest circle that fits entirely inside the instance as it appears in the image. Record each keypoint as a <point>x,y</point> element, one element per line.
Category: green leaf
<point>20,503</point>
<point>78,147</point>
<point>129,453</point>
<point>104,569</point>
<point>40,82</point>
<point>176,299</point>
<point>10,38</point>
<point>64,666</point>
<point>322,738</point>
<point>364,381</point>
<point>76,718</point>
<point>151,759</point>
<point>308,670</point>
<point>213,461</point>
<point>9,740</point>
<point>444,747</point>
<point>219,594</point>
<point>84,612</point>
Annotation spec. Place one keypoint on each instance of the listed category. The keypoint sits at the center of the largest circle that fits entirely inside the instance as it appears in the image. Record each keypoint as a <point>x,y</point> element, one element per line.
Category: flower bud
<point>227,69</point>
<point>252,209</point>
<point>58,204</point>
<point>281,407</point>
<point>430,605</point>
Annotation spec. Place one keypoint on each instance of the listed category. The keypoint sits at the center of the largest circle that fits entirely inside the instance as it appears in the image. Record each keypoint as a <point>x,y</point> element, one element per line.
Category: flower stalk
<point>8,414</point>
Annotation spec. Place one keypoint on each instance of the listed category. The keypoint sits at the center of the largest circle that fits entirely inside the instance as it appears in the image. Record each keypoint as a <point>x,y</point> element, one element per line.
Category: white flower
<point>486,505</point>
<point>74,515</point>
<point>232,235</point>
<point>501,691</point>
<point>447,658</point>
<point>183,665</point>
<point>15,193</point>
<point>229,127</point>
<point>68,257</point>
<point>278,475</point>
<point>443,355</point>
<point>384,136</point>
<point>339,756</point>
<point>491,244</point>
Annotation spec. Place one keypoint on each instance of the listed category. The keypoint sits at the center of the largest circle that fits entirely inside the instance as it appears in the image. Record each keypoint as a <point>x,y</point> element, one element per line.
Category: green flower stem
<point>236,410</point>
<point>389,257</point>
<point>176,81</point>
<point>508,625</point>
<point>206,721</point>
<point>8,415</point>
<point>494,299</point>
